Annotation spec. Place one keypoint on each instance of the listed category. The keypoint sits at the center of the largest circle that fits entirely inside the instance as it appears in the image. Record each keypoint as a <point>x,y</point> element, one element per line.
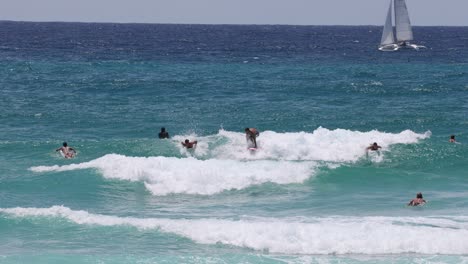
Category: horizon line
<point>216,24</point>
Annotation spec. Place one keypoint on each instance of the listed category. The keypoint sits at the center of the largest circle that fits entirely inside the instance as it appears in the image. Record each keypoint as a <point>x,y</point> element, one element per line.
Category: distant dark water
<point>222,43</point>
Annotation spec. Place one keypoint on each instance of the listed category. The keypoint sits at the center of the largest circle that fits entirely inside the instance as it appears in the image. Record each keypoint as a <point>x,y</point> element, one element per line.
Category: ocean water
<point>310,194</point>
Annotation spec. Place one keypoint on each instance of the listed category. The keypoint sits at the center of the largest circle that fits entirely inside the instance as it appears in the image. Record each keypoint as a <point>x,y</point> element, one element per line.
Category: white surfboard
<point>70,155</point>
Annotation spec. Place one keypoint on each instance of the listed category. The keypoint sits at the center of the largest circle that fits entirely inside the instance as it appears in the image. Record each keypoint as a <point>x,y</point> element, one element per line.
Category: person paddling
<point>417,201</point>
<point>452,139</point>
<point>374,147</point>
<point>68,152</point>
<point>189,144</point>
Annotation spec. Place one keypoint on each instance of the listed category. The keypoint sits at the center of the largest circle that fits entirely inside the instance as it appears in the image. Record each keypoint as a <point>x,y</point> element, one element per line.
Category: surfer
<point>452,139</point>
<point>251,135</point>
<point>68,152</point>
<point>189,144</point>
<point>163,133</point>
<point>417,201</point>
<point>374,147</point>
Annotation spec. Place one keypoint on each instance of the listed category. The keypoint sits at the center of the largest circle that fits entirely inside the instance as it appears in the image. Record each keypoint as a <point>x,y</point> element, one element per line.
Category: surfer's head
<point>187,141</point>
<point>419,195</point>
<point>247,129</point>
<point>65,144</point>
<point>375,144</point>
<point>163,129</point>
<point>452,137</point>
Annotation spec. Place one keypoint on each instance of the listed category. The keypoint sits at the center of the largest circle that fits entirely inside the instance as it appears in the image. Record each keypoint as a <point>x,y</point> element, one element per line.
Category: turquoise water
<point>310,194</point>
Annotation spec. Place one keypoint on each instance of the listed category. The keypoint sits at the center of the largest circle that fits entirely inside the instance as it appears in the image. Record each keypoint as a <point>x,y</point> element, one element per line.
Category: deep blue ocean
<point>319,95</point>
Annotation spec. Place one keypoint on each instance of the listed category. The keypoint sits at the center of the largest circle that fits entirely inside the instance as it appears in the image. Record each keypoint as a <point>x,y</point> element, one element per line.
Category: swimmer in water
<point>189,144</point>
<point>417,201</point>
<point>374,147</point>
<point>452,139</point>
<point>163,134</point>
<point>67,151</point>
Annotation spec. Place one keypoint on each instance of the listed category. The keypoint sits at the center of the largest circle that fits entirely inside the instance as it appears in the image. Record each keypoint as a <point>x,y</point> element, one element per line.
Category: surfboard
<point>418,205</point>
<point>372,153</point>
<point>251,145</point>
<point>70,155</point>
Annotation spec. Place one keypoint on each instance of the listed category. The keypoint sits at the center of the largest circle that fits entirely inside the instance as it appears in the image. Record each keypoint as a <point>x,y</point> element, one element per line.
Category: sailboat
<point>393,40</point>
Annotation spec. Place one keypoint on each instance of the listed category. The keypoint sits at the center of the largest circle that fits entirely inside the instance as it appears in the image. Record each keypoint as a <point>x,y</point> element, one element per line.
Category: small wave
<point>164,175</point>
<point>339,145</point>
<point>282,158</point>
<point>329,235</point>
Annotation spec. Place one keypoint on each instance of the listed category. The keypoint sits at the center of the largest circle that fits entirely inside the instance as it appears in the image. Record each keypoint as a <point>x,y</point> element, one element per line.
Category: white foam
<point>339,145</point>
<point>163,175</point>
<point>331,235</point>
<point>201,149</point>
<point>282,158</point>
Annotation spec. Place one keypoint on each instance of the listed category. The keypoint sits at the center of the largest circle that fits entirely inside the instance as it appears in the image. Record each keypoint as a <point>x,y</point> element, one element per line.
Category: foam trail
<point>330,235</point>
<point>163,175</point>
<point>339,145</point>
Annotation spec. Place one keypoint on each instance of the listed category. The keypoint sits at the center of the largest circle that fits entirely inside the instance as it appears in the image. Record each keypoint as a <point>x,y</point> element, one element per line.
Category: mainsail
<point>387,35</point>
<point>402,22</point>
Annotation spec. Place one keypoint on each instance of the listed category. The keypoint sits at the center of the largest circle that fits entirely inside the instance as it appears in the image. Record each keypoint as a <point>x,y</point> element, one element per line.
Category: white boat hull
<point>389,47</point>
<point>395,47</point>
<point>417,47</point>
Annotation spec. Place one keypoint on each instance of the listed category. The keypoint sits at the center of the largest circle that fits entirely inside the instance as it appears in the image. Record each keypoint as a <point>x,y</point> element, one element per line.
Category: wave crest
<point>329,235</point>
<point>339,145</point>
<point>163,175</point>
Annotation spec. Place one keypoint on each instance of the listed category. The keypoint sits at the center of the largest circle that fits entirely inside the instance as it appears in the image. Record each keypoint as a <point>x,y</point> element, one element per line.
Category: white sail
<point>402,22</point>
<point>387,34</point>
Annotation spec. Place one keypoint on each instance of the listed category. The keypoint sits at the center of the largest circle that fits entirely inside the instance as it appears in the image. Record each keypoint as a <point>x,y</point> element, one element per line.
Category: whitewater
<point>331,235</point>
<point>284,158</point>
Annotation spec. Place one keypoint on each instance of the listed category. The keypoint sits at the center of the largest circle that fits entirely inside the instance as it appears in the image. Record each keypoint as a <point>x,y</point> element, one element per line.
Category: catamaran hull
<point>417,47</point>
<point>395,47</point>
<point>390,47</point>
